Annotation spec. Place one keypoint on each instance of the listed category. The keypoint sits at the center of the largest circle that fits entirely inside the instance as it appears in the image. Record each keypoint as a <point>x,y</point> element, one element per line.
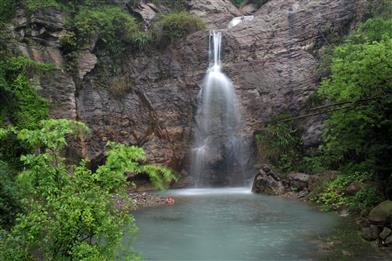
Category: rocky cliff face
<point>151,103</point>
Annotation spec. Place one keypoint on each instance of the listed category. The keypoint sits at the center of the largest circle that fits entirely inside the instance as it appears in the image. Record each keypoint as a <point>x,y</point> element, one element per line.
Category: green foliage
<point>7,10</point>
<point>334,196</point>
<point>70,211</point>
<point>9,200</point>
<point>380,8</point>
<point>237,2</point>
<point>313,164</point>
<point>256,3</point>
<point>176,25</point>
<point>22,105</point>
<point>361,70</point>
<point>111,25</point>
<point>33,5</point>
<point>281,145</point>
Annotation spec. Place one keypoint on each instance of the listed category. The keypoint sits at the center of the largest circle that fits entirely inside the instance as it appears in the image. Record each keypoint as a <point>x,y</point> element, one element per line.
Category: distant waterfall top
<point>215,46</point>
<point>237,20</point>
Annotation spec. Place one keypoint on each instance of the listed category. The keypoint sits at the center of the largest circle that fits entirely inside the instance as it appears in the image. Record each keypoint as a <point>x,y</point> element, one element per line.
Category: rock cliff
<point>272,61</point>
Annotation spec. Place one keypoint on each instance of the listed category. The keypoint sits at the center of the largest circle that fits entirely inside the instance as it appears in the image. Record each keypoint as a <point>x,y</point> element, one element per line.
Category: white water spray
<point>218,153</point>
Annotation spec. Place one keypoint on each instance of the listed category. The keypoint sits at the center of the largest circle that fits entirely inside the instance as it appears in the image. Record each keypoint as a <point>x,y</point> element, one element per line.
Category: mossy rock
<point>382,213</point>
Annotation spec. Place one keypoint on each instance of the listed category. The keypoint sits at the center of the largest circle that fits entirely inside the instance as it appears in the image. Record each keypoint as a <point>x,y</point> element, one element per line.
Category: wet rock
<point>388,241</point>
<point>298,181</point>
<point>146,11</point>
<point>313,182</point>
<point>370,233</point>
<point>382,213</point>
<point>354,187</point>
<point>386,232</point>
<point>86,62</point>
<point>248,9</point>
<point>267,183</point>
<point>216,13</point>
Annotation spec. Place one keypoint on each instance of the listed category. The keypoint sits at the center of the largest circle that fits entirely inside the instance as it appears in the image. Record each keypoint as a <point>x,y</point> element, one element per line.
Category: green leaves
<point>70,211</point>
<point>361,73</point>
<point>176,25</point>
<point>111,25</point>
<point>281,144</point>
<point>52,133</point>
<point>334,195</point>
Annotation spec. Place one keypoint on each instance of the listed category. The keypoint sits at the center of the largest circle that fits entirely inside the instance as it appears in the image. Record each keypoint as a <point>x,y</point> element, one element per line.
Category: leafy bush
<point>176,25</point>
<point>361,70</point>
<point>9,200</point>
<point>380,8</point>
<point>70,211</point>
<point>23,106</point>
<point>114,27</point>
<point>33,5</point>
<point>313,164</point>
<point>7,10</point>
<point>333,195</point>
<point>281,145</point>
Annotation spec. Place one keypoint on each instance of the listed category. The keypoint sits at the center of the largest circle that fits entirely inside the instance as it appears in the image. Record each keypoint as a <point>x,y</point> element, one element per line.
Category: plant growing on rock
<point>111,25</point>
<point>361,76</point>
<point>176,25</point>
<point>69,211</point>
<point>33,5</point>
<point>334,194</point>
<point>281,144</point>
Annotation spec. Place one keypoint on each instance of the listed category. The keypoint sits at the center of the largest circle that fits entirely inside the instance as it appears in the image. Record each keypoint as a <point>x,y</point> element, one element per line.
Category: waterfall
<point>218,153</point>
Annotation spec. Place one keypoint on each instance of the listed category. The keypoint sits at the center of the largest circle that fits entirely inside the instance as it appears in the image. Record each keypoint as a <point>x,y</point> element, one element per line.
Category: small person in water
<point>169,201</point>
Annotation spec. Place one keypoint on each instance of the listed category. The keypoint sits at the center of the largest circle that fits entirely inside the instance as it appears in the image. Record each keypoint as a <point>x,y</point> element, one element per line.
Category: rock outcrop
<point>267,182</point>
<point>150,99</point>
<point>378,224</point>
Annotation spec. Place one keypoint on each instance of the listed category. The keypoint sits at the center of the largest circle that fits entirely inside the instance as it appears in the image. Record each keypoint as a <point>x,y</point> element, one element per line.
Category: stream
<point>230,224</point>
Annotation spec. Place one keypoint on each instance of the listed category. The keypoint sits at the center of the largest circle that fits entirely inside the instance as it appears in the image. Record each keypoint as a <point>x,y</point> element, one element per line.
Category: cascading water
<point>218,154</point>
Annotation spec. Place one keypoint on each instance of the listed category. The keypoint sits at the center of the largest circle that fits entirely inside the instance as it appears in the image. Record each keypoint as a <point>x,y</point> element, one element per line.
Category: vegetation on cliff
<point>357,134</point>
<point>67,210</point>
<point>50,208</point>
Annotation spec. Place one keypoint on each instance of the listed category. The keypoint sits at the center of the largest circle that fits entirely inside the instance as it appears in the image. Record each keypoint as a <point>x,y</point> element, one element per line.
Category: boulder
<point>370,233</point>
<point>298,180</point>
<point>314,182</point>
<point>386,232</point>
<point>353,188</point>
<point>382,213</point>
<point>388,241</point>
<point>267,183</point>
<point>216,13</point>
<point>86,62</point>
<point>146,11</point>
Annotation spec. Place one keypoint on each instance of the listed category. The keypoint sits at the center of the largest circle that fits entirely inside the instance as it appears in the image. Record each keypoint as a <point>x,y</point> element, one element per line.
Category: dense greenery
<point>281,145</point>
<point>361,76</point>
<point>176,25</point>
<point>7,9</point>
<point>110,25</point>
<point>256,3</point>
<point>22,105</point>
<point>9,198</point>
<point>33,5</point>
<point>357,138</point>
<point>335,194</point>
<point>69,212</point>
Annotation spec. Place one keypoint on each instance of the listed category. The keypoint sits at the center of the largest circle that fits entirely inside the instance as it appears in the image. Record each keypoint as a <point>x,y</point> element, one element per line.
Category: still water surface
<point>230,224</point>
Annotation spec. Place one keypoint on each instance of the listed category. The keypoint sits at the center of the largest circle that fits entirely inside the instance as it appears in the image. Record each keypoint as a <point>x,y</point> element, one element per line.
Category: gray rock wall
<point>271,61</point>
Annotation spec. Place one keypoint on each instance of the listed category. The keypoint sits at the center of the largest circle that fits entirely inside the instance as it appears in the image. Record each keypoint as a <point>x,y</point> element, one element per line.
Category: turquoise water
<point>230,224</point>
